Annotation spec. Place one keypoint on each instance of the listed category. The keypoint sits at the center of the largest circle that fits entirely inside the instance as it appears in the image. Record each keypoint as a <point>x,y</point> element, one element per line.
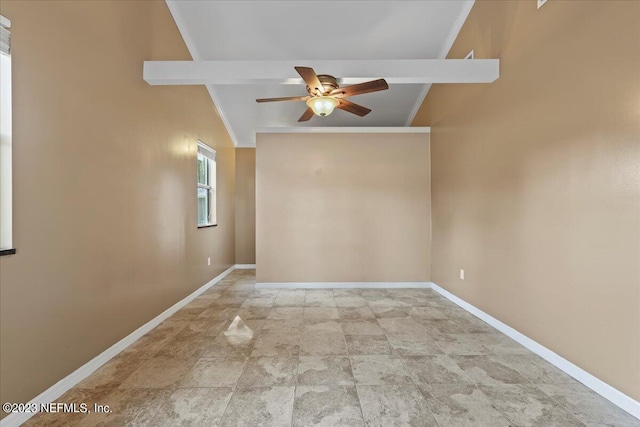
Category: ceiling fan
<point>325,94</point>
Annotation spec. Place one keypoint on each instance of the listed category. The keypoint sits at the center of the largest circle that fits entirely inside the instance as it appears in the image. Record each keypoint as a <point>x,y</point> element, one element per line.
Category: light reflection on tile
<point>238,332</point>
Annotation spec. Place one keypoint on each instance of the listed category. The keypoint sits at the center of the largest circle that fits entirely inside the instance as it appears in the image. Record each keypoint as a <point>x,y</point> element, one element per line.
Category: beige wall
<point>342,207</point>
<point>536,179</point>
<point>104,186</point>
<point>246,206</point>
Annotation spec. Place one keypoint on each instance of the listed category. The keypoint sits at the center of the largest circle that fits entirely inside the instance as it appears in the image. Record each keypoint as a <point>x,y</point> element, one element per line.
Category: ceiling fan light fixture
<point>325,94</point>
<point>322,105</point>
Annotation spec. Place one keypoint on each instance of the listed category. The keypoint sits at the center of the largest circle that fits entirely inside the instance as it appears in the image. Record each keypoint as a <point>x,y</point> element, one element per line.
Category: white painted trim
<point>455,29</point>
<point>245,266</point>
<point>451,38</point>
<point>5,22</point>
<point>7,176</point>
<point>344,285</point>
<point>191,47</point>
<point>603,389</point>
<point>418,104</point>
<point>350,129</point>
<point>223,117</point>
<point>177,18</point>
<point>68,382</point>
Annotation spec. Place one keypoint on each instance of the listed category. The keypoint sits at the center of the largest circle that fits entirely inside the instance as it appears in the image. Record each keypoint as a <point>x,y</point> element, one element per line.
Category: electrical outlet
<point>541,3</point>
<point>208,261</point>
<point>461,274</point>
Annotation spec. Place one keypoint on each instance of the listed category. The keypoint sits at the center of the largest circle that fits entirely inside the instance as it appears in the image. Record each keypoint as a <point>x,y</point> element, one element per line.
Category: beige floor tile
<point>277,344</point>
<point>131,407</point>
<point>64,419</point>
<point>536,369</point>
<point>368,345</point>
<point>526,405</point>
<point>111,374</point>
<point>158,372</point>
<point>327,406</point>
<point>489,370</point>
<point>379,369</point>
<point>390,312</point>
<point>587,406</point>
<point>325,343</point>
<point>355,313</point>
<point>350,302</point>
<point>269,372</point>
<point>321,326</point>
<point>325,370</point>
<point>461,405</point>
<point>434,369</point>
<point>228,347</point>
<point>361,327</point>
<point>286,313</point>
<point>461,344</point>
<point>410,345</point>
<point>394,405</point>
<point>402,326</point>
<point>252,407</point>
<point>213,373</point>
<point>197,407</point>
<point>320,313</point>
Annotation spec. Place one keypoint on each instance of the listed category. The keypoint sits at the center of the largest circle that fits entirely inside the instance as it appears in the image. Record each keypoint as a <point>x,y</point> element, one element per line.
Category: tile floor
<point>240,356</point>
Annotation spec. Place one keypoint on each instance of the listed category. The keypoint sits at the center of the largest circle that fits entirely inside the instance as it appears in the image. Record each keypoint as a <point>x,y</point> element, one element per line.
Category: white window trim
<point>210,154</point>
<point>6,215</point>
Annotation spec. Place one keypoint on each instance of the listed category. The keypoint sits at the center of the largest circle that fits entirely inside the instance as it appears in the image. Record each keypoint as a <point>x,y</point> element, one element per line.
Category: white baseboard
<point>603,389</point>
<point>68,382</point>
<point>245,266</point>
<point>343,285</point>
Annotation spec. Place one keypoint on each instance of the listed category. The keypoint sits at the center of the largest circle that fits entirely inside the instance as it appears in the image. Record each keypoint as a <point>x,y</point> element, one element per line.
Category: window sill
<point>7,251</point>
<point>207,225</point>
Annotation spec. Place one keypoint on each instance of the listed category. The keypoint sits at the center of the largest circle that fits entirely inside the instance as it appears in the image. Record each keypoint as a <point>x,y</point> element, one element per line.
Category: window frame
<point>6,185</point>
<point>209,155</point>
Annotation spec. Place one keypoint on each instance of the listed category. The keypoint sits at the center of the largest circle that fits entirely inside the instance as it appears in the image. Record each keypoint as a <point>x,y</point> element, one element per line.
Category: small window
<point>206,185</point>
<point>6,241</point>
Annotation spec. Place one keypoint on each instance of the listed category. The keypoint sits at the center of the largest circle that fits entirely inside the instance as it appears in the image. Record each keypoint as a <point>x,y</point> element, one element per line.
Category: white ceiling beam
<point>349,71</point>
<point>346,129</point>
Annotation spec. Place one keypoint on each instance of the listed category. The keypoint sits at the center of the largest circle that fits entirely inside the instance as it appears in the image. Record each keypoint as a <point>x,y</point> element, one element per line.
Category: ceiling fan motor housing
<point>329,83</point>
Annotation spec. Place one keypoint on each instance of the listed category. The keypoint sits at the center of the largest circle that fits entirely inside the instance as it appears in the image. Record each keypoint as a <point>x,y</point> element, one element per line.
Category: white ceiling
<point>316,30</point>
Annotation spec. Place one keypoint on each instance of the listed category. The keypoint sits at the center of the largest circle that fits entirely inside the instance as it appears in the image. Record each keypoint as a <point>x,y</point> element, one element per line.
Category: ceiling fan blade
<point>306,115</point>
<point>356,109</point>
<point>311,79</point>
<point>288,98</point>
<point>372,86</point>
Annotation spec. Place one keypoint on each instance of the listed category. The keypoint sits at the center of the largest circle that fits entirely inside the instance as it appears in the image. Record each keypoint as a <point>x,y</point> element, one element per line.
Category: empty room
<point>320,213</point>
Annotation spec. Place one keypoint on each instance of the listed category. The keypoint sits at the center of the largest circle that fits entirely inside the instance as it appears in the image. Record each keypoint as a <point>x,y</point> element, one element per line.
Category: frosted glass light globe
<point>322,105</point>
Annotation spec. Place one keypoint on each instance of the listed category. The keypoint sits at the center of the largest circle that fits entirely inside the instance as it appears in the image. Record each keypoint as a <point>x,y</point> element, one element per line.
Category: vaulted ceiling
<point>316,30</point>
